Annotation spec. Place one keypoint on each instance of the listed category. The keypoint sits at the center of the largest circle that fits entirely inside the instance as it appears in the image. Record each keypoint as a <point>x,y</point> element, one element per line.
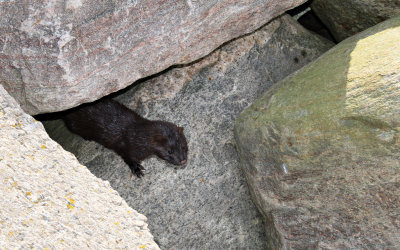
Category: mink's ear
<point>159,139</point>
<point>180,130</point>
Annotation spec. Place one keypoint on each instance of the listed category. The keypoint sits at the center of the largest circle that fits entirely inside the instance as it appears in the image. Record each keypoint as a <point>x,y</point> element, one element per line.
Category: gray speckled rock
<point>345,18</point>
<point>206,205</point>
<point>49,200</point>
<point>321,149</point>
<point>56,54</point>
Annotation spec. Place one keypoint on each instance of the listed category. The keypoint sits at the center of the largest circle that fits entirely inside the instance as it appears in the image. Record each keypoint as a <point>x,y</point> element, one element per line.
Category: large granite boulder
<point>207,205</point>
<point>345,18</point>
<point>57,54</point>
<point>49,200</point>
<point>321,149</point>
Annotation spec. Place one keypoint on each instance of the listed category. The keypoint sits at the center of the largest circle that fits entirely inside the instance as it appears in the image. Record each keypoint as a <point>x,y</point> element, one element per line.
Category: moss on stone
<point>314,145</point>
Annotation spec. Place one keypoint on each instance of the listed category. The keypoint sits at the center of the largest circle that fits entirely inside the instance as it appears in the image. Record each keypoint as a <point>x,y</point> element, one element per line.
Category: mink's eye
<point>170,151</point>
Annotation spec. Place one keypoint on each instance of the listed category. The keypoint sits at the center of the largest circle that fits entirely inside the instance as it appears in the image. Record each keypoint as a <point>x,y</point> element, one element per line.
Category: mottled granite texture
<point>49,200</point>
<point>321,149</point>
<point>207,205</point>
<point>57,54</point>
<point>345,18</point>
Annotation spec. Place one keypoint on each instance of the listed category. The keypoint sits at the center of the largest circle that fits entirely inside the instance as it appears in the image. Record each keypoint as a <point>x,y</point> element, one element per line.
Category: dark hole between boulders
<point>309,20</point>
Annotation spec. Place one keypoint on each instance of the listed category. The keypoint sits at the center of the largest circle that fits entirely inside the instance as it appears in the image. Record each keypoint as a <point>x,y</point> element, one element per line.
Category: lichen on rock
<point>321,149</point>
<point>49,200</point>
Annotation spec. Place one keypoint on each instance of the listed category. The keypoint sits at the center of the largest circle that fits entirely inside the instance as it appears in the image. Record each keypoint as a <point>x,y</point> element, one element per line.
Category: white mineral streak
<point>285,168</point>
<point>64,38</point>
<point>73,4</point>
<point>39,22</point>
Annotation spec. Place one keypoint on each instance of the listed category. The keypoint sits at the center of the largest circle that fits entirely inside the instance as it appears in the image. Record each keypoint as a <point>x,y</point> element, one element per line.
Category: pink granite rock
<point>57,54</point>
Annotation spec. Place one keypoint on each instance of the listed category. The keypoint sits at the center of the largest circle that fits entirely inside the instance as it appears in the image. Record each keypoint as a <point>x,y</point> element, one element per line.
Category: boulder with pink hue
<point>56,54</point>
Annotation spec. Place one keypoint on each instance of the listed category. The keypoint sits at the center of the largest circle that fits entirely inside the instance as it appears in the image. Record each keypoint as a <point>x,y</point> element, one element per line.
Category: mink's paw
<point>139,173</point>
<point>137,169</point>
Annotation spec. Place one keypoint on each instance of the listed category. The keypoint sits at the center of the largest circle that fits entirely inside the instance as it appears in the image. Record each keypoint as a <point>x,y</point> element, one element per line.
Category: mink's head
<point>170,144</point>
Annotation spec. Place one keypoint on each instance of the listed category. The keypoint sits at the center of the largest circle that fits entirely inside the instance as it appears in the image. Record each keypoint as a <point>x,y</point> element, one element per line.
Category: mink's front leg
<point>133,164</point>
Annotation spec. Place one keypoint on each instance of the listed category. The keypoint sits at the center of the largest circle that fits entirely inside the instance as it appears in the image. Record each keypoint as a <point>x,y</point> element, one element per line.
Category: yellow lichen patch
<point>17,125</point>
<point>70,204</point>
<point>43,146</point>
<point>142,246</point>
<point>28,193</point>
<point>116,223</point>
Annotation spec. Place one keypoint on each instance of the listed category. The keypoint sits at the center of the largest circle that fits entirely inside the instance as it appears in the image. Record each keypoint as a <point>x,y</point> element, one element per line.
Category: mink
<point>131,136</point>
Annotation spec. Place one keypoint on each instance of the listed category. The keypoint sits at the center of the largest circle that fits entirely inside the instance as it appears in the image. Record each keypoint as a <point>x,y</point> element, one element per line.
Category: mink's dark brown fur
<point>133,137</point>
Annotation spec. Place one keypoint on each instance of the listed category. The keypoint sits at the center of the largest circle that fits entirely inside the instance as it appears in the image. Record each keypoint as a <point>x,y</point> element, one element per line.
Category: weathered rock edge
<point>49,200</point>
<point>55,55</point>
<point>321,149</point>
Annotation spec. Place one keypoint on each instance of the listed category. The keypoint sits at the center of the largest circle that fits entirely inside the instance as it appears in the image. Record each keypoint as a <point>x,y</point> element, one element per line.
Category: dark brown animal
<point>133,137</point>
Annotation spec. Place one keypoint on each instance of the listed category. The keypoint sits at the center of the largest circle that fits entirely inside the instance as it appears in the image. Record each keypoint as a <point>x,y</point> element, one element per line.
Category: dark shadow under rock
<point>306,17</point>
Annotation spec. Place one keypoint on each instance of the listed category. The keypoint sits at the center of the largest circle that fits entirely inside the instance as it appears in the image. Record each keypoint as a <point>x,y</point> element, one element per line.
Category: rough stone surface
<point>345,18</point>
<point>49,200</point>
<point>57,54</point>
<point>321,149</point>
<point>207,205</point>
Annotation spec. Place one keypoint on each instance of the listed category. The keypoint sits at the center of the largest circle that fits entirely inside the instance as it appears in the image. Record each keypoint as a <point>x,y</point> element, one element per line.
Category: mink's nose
<point>183,162</point>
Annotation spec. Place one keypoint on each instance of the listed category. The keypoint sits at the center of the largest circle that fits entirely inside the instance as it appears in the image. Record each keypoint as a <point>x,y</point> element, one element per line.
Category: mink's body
<point>133,137</point>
